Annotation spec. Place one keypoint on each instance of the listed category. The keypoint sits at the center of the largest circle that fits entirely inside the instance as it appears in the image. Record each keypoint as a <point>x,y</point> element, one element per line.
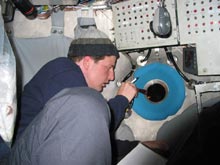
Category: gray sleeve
<point>73,128</point>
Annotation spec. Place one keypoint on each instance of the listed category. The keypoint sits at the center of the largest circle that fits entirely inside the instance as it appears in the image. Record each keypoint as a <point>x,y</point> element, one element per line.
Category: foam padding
<point>174,98</point>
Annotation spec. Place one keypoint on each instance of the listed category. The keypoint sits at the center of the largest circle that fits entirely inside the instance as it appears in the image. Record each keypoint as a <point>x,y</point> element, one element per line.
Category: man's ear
<point>86,62</point>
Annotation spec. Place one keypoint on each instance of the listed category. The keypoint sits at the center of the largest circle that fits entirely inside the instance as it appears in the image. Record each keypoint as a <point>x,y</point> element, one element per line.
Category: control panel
<point>190,60</point>
<point>132,24</point>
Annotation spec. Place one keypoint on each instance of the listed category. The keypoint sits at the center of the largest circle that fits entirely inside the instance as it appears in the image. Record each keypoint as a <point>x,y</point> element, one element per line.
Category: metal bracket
<point>57,19</point>
<point>205,88</point>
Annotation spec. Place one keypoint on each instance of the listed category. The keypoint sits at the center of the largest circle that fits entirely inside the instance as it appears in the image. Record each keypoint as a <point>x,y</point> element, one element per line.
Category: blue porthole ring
<point>169,84</point>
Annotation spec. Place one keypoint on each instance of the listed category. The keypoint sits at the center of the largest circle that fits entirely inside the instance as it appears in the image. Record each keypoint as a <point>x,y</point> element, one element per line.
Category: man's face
<point>101,73</point>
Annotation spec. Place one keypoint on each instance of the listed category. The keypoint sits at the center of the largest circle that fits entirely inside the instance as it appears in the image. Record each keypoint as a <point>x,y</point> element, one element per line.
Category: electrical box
<point>194,22</point>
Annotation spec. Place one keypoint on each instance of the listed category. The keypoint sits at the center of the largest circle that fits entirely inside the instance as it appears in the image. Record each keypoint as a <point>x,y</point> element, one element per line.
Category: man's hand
<point>128,90</point>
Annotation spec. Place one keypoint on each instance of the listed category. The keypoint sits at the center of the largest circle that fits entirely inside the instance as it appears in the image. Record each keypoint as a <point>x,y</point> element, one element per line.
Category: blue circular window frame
<point>174,98</point>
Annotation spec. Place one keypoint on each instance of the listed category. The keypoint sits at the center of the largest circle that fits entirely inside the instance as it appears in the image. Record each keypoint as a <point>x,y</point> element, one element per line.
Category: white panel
<point>132,19</point>
<point>8,99</point>
<point>199,23</point>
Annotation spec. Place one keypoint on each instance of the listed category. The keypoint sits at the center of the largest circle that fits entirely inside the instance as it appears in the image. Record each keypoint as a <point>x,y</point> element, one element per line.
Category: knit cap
<point>89,41</point>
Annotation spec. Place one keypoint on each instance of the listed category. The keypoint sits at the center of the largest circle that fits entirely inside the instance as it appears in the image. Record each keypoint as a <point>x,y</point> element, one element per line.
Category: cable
<point>147,56</point>
<point>170,58</point>
<point>133,67</point>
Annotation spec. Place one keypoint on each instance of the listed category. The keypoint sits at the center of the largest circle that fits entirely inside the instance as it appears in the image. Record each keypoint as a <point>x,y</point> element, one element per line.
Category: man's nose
<point>111,76</point>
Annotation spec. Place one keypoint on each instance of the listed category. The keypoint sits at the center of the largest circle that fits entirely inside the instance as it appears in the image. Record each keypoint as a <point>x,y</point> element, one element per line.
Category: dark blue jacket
<point>56,75</point>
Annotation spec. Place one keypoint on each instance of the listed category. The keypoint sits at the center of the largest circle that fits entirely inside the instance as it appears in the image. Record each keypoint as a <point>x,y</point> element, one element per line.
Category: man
<point>90,63</point>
